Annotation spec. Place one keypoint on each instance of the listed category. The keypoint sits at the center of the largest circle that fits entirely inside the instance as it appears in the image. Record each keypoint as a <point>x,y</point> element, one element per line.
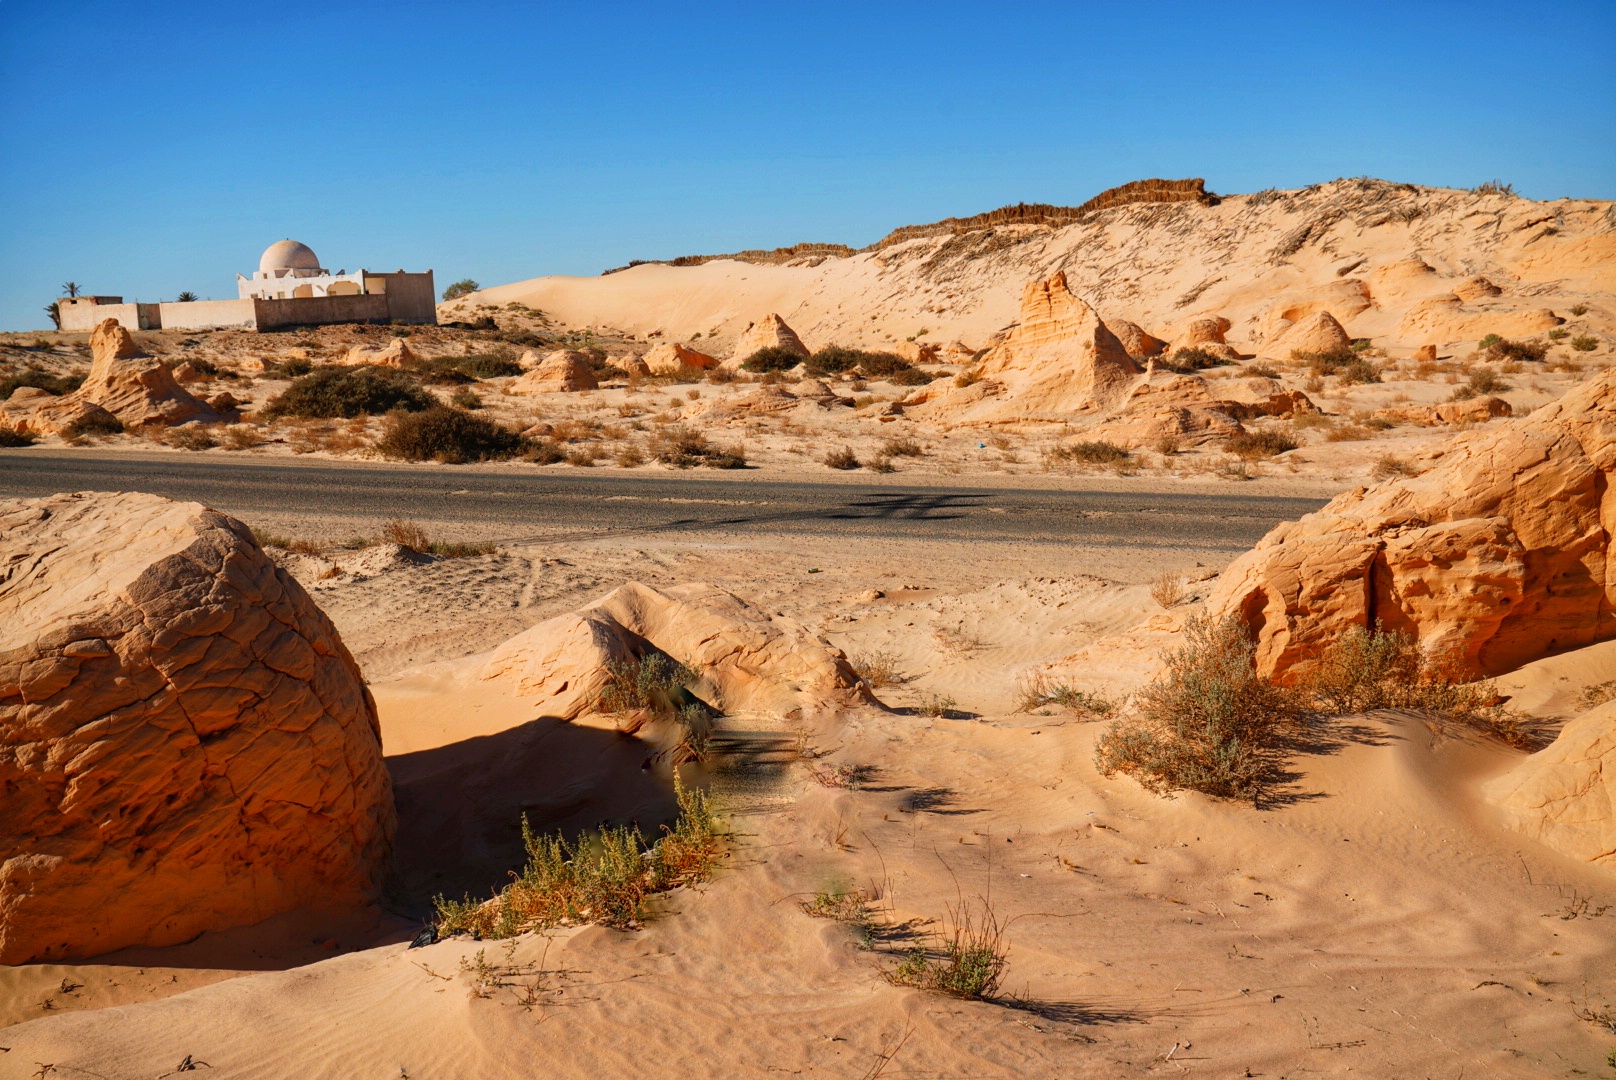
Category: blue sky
<point>155,147</point>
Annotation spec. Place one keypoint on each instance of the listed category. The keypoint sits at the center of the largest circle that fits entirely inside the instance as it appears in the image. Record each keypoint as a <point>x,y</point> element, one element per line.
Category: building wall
<point>411,298</point>
<point>317,310</point>
<point>82,318</point>
<point>204,314</point>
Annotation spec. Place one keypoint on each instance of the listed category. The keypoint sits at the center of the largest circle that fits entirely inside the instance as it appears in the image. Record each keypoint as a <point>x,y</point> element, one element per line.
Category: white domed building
<point>289,289</point>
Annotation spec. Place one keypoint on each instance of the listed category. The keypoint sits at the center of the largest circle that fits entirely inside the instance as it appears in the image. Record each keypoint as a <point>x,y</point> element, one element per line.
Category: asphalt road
<point>516,504</point>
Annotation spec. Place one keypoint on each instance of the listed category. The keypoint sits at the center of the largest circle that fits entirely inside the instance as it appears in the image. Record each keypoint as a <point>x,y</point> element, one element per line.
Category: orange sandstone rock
<point>185,744</point>
<point>562,371</point>
<point>136,389</point>
<point>771,333</point>
<point>1565,794</point>
<point>668,358</point>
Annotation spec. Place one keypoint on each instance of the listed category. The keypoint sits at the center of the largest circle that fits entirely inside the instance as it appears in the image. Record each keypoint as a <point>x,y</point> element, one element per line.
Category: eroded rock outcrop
<point>750,660</point>
<point>185,744</point>
<point>137,389</point>
<point>1565,794</point>
<point>395,354</point>
<point>562,371</point>
<point>1317,333</point>
<point>1496,555</point>
<point>1135,341</point>
<point>669,358</point>
<point>769,333</point>
<point>1476,410</point>
<point>40,413</point>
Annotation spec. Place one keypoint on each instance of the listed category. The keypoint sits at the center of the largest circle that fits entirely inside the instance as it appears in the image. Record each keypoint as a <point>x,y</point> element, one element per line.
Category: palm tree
<point>186,297</point>
<point>56,316</point>
<point>70,288</point>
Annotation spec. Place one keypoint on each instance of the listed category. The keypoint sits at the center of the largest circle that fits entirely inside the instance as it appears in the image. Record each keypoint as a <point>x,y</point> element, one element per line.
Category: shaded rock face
<point>770,333</point>
<point>668,358</point>
<point>1497,555</point>
<point>561,371</point>
<point>752,661</point>
<point>185,744</point>
<point>1565,794</point>
<point>137,390</point>
<point>1135,341</point>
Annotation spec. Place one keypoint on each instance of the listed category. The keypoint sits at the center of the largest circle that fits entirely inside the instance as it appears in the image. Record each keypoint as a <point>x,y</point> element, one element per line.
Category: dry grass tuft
<point>878,668</point>
<point>1036,692</point>
<point>410,535</point>
<point>1168,588</point>
<point>967,961</point>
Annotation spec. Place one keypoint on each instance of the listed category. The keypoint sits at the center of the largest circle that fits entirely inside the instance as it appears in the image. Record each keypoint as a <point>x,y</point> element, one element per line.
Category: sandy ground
<point>1374,919</point>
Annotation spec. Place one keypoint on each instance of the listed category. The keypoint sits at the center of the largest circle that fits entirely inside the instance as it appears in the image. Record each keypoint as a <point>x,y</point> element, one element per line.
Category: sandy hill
<point>1402,264</point>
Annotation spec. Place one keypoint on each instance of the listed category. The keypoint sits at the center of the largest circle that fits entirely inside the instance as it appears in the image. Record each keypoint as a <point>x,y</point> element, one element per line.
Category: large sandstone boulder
<point>1317,333</point>
<point>669,358</point>
<point>1061,360</point>
<point>770,333</point>
<point>395,354</point>
<point>750,660</point>
<point>562,371</point>
<point>40,413</point>
<point>916,352</point>
<point>1565,794</point>
<point>185,744</point>
<point>1498,554</point>
<point>1135,341</point>
<point>137,390</point>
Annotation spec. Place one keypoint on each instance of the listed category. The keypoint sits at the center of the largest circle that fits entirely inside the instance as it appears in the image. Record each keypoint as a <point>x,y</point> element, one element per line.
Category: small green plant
<point>1255,445</point>
<point>1584,343</point>
<point>1558,333</point>
<point>465,369</point>
<point>967,961</point>
<point>936,706</point>
<point>1579,309</point>
<point>447,435</point>
<point>649,683</point>
<point>1484,380</point>
<point>1503,350</point>
<point>1209,724</point>
<point>773,358</point>
<point>842,459</point>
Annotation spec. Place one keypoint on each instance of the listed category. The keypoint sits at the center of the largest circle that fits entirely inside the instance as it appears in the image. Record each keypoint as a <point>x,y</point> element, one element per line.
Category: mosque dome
<point>288,255</point>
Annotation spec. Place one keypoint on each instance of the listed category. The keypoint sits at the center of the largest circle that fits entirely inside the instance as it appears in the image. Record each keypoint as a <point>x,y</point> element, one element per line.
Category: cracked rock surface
<point>185,743</point>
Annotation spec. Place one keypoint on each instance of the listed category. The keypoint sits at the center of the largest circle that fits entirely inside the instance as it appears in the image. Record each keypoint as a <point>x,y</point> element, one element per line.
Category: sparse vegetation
<point>1190,359</point>
<point>604,877</point>
<point>347,392</point>
<point>968,377</point>
<point>967,961</point>
<point>839,360</point>
<point>93,425</point>
<point>842,459</point>
<point>189,437</point>
<point>1389,466</point>
<point>1493,187</point>
<point>684,447</point>
<point>447,435</point>
<point>1484,380</point>
<point>1167,589</point>
<point>460,288</point>
<point>465,399</point>
<point>1579,309</point>
<point>902,447</point>
<point>1584,343</point>
<point>937,706</point>
<point>1090,453</point>
<point>408,534</point>
<point>1255,445</point>
<point>1209,724</point>
<point>1503,350</point>
<point>40,380</point>
<point>465,369</point>
<point>1036,692</point>
<point>878,668</point>
<point>773,358</point>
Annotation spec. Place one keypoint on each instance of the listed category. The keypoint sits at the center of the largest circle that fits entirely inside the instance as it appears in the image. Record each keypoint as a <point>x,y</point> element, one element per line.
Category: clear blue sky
<point>155,147</point>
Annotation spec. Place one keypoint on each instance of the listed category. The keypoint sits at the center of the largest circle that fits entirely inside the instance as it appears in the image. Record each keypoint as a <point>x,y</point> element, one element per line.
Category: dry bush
<point>968,377</point>
<point>967,961</point>
<point>1169,446</point>
<point>408,534</point>
<point>1584,343</point>
<point>1253,445</point>
<point>450,436</point>
<point>264,538</point>
<point>957,640</point>
<point>882,463</point>
<point>40,380</point>
<point>842,905</point>
<point>190,437</point>
<point>1500,350</point>
<point>629,456</point>
<point>1389,466</point>
<point>1484,380</point>
<point>1579,309</point>
<point>1187,360</point>
<point>902,447</point>
<point>848,777</point>
<point>1090,453</point>
<point>1168,588</point>
<point>936,706</point>
<point>601,878</point>
<point>842,459</point>
<point>878,668</point>
<point>1037,691</point>
<point>583,456</point>
<point>91,425</point>
<point>465,399</point>
<point>684,447</point>
<point>242,437</point>
<point>1209,724</point>
<point>344,392</point>
<point>1262,371</point>
<point>1597,694</point>
<point>1348,433</point>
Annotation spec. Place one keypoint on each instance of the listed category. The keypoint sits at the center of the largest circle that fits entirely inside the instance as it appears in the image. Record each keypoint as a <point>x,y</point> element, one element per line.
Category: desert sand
<point>1385,909</point>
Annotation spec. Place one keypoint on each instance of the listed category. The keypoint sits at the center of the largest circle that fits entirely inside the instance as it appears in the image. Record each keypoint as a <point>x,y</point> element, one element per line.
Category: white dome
<point>288,255</point>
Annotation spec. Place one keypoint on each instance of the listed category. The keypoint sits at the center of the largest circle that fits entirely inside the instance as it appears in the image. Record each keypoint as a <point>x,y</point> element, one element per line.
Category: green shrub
<point>968,961</point>
<point>346,392</point>
<point>914,377</point>
<point>451,436</point>
<point>465,399</point>
<point>1358,371</point>
<point>773,358</point>
<point>1584,343</point>
<point>1484,380</point>
<point>1488,342</point>
<point>460,288</point>
<point>1210,724</point>
<point>1091,453</point>
<point>1505,350</point>
<point>464,369</point>
<point>1252,445</point>
<point>39,380</point>
<point>649,683</point>
<point>833,360</point>
<point>1326,362</point>
<point>296,367</point>
<point>1191,359</point>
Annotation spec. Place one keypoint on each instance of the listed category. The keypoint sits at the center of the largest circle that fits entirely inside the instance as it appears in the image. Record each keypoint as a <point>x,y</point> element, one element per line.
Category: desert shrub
<point>881,463</point>
<point>644,683</point>
<point>39,380</point>
<point>1558,333</point>
<point>902,447</point>
<point>464,369</point>
<point>190,437</point>
<point>1036,692</point>
<point>937,706</point>
<point>968,377</point>
<point>294,368</point>
<point>1484,380</point>
<point>773,358</point>
<point>1505,351</point>
<point>882,365</point>
<point>1358,371</point>
<point>1264,371</point>
<point>408,534</point>
<point>545,452</point>
<point>967,961</point>
<point>465,399</point>
<point>241,437</point>
<point>842,459</point>
<point>629,456</point>
<point>1493,187</point>
<point>93,425</point>
<point>347,392</point>
<point>600,878</point>
<point>1091,453</point>
<point>1253,445</point>
<point>1584,343</point>
<point>1209,724</point>
<point>11,437</point>
<point>450,436</point>
<point>684,447</point>
<point>1579,309</point>
<point>1488,342</point>
<point>833,360</point>
<point>914,377</point>
<point>1343,362</point>
<point>460,288</point>
<point>1190,359</point>
<point>1169,445</point>
<point>1167,589</point>
<point>878,668</point>
<point>1389,466</point>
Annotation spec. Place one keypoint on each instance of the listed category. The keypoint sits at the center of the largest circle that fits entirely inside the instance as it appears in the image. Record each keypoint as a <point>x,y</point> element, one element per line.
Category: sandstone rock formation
<point>396,354</point>
<point>1318,333</point>
<point>1164,406</point>
<point>669,358</point>
<point>185,744</point>
<point>562,371</point>
<point>1565,794</point>
<point>1425,354</point>
<point>1059,361</point>
<point>1208,330</point>
<point>1497,555</point>
<point>771,333</point>
<point>916,352</point>
<point>137,390</point>
<point>1135,342</point>
<point>631,365</point>
<point>747,659</point>
<point>1448,318</point>
<point>1477,410</point>
<point>40,413</point>
<point>1476,288</point>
